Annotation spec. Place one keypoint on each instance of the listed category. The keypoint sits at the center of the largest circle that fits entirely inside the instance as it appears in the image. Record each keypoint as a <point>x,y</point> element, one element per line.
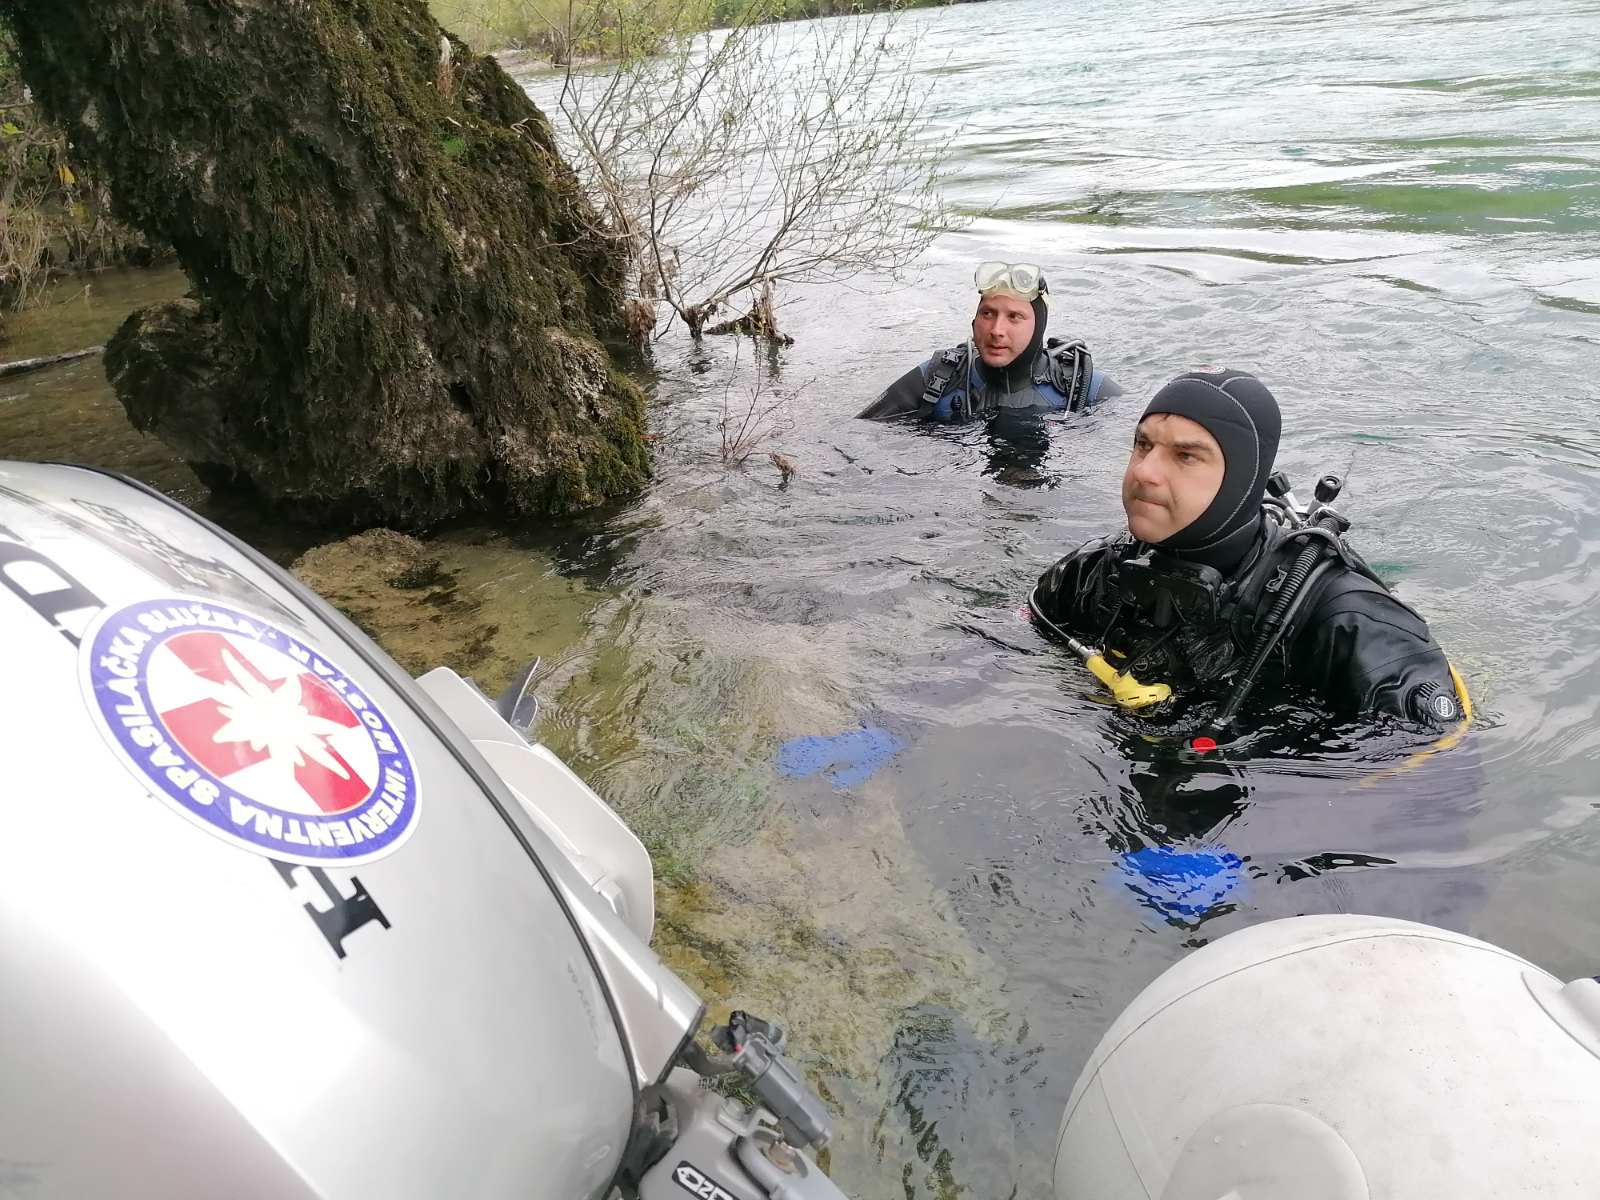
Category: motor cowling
<point>1337,1058</point>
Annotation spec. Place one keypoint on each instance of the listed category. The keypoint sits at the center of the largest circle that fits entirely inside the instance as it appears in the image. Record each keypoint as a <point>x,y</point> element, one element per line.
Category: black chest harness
<point>1215,629</point>
<point>1064,365</point>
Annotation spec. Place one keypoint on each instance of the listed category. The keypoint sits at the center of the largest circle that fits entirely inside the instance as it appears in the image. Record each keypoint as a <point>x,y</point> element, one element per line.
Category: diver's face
<point>1002,328</point>
<point>1173,475</point>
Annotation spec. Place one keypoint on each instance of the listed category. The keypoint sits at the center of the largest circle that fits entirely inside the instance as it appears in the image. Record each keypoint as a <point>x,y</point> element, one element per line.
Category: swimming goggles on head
<point>1025,279</point>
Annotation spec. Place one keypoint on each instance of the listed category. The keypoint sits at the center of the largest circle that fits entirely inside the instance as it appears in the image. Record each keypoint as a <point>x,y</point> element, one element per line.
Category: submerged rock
<point>400,594</point>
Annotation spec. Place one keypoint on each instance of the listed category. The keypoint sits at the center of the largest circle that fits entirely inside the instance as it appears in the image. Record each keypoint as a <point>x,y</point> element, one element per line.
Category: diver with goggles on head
<point>1223,583</point>
<point>1007,364</point>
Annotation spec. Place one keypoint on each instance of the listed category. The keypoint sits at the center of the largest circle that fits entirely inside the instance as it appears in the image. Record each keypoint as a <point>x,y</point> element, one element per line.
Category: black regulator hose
<point>1289,594</point>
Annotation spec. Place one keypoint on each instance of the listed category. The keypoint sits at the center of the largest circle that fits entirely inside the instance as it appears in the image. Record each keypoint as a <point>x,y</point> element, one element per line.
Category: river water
<point>1390,212</point>
<point>890,815</point>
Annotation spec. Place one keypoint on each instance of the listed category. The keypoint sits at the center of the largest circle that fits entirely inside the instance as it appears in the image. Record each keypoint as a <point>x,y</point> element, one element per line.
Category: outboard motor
<point>279,921</point>
<point>1340,1058</point>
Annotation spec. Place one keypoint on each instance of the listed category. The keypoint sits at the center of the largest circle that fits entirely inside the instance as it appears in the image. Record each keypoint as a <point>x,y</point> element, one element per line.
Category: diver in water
<point>1216,585</point>
<point>1006,365</point>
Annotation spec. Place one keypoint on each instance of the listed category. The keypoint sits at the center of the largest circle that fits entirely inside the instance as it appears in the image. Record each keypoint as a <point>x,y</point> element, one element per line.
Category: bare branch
<point>730,162</point>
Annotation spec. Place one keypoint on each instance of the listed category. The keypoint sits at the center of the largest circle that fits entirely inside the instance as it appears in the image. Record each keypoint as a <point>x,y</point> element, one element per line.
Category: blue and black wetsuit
<point>955,385</point>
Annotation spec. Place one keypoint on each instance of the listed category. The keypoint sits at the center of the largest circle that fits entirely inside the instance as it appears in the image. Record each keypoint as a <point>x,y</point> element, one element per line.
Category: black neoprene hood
<point>1237,409</point>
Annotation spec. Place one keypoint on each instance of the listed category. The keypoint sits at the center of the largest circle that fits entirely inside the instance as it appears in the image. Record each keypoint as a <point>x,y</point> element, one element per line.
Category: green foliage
<point>732,12</point>
<point>618,29</point>
<point>561,30</point>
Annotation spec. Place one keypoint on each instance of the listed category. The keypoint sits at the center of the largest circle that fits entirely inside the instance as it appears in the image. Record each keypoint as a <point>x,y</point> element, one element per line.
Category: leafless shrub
<point>732,162</point>
<point>639,318</point>
<point>24,233</point>
<point>749,421</point>
<point>24,242</point>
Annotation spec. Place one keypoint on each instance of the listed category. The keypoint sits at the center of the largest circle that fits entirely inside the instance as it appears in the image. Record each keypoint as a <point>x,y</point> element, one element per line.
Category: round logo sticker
<point>249,732</point>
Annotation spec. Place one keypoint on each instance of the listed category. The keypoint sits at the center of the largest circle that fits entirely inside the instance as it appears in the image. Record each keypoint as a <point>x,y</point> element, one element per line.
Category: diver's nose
<point>1145,470</point>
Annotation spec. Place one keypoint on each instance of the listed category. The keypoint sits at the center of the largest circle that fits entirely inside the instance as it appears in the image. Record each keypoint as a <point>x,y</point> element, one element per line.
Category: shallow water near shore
<point>1391,212</point>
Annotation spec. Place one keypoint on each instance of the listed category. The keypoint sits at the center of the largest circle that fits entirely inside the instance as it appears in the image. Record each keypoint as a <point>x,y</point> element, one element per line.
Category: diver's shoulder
<point>1067,367</point>
<point>1078,582</point>
<point>950,356</point>
<point>1347,592</point>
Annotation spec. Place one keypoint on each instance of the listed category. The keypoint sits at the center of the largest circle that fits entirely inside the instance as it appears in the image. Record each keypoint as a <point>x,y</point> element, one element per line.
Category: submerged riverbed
<point>888,814</point>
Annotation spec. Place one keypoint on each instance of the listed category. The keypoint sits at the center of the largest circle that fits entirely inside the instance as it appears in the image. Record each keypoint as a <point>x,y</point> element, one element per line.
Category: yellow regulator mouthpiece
<point>1127,691</point>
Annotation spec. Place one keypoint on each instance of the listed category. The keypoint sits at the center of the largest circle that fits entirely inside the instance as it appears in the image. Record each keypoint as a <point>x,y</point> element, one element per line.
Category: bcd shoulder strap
<point>947,364</point>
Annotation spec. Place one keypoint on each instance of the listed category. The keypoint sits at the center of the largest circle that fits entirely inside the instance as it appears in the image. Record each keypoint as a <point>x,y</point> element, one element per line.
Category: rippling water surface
<point>1389,211</point>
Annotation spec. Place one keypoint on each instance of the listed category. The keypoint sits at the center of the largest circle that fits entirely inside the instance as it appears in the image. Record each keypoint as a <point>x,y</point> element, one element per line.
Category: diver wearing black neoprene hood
<point>1216,589</point>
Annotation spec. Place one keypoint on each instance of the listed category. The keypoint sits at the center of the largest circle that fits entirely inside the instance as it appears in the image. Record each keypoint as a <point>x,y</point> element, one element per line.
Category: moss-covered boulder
<point>400,294</point>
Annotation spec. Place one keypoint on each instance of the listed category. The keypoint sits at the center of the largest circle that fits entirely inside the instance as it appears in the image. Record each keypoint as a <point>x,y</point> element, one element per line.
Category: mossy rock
<point>401,297</point>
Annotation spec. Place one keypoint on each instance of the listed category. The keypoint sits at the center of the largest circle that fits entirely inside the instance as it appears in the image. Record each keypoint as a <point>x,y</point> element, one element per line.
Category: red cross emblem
<point>256,719</point>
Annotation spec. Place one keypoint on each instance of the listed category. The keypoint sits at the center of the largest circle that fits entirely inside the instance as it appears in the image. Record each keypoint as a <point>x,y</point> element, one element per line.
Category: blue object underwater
<point>1182,884</point>
<point>849,758</point>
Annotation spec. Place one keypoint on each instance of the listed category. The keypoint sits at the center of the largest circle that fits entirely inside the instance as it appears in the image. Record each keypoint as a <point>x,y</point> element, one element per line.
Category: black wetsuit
<point>1187,612</point>
<point>1352,644</point>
